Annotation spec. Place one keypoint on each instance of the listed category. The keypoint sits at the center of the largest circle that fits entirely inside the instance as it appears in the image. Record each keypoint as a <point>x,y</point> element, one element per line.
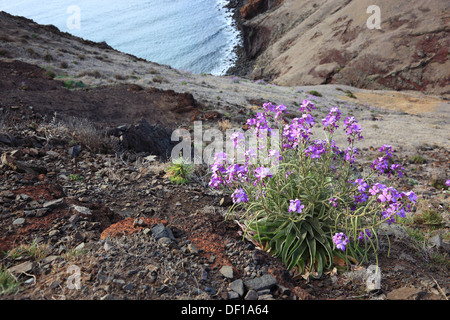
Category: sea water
<point>197,36</point>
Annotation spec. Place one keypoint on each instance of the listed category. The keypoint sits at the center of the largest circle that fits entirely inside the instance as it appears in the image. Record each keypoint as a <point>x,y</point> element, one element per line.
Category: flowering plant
<point>302,198</point>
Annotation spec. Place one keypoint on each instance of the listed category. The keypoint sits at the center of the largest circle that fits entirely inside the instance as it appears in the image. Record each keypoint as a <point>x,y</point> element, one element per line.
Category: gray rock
<point>165,241</point>
<point>53,233</point>
<point>192,248</point>
<point>138,222</point>
<point>19,222</point>
<point>82,210</point>
<point>41,212</point>
<point>80,247</point>
<point>160,231</point>
<point>54,203</point>
<point>227,272</point>
<point>232,295</point>
<point>143,137</point>
<point>25,267</point>
<point>108,245</point>
<point>29,213</point>
<point>129,287</point>
<point>251,295</point>
<point>266,281</point>
<point>435,242</point>
<point>74,218</point>
<point>238,287</point>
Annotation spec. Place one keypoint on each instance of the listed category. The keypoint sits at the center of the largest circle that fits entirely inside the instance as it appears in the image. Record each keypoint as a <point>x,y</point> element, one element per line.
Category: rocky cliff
<point>301,42</point>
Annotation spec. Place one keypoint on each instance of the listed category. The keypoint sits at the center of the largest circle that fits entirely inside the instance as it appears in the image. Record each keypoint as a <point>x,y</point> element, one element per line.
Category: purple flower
<point>412,196</point>
<point>236,137</point>
<point>296,206</point>
<point>239,195</point>
<point>279,110</point>
<point>340,240</point>
<point>352,129</point>
<point>447,183</point>
<point>262,172</point>
<point>306,106</point>
<point>314,151</point>
<point>363,186</point>
<point>350,153</point>
<point>334,202</point>
<point>364,235</point>
<point>331,119</point>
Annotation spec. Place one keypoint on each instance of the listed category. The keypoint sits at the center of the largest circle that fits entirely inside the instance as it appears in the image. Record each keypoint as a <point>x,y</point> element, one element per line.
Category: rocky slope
<point>75,193</point>
<point>300,42</point>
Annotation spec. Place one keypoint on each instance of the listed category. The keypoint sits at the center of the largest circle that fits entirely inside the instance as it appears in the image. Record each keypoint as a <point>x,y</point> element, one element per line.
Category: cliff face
<point>301,42</point>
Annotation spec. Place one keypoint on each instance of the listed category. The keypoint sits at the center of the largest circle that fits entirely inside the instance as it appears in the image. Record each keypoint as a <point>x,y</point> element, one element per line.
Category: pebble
<point>227,272</point>
<point>160,231</point>
<point>238,287</point>
<point>19,222</point>
<point>251,295</point>
<point>266,281</point>
<point>82,210</point>
<point>54,203</point>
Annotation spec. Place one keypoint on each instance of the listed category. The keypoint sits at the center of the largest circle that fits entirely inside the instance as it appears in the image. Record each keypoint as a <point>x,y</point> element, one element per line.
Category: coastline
<point>242,66</point>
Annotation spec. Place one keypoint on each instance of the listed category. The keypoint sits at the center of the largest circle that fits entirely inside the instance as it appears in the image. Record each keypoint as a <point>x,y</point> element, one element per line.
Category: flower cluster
<point>239,195</point>
<point>330,122</point>
<point>315,171</point>
<point>381,164</point>
<point>296,206</point>
<point>340,240</point>
<point>352,129</point>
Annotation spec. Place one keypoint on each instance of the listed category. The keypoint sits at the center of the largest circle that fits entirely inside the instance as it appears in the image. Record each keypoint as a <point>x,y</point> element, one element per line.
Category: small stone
<point>238,287</point>
<point>108,245</point>
<point>41,212</point>
<point>25,267</point>
<point>266,281</point>
<point>53,233</point>
<point>29,213</point>
<point>192,248</point>
<point>82,210</point>
<point>227,272</point>
<point>251,295</point>
<point>55,284</point>
<point>54,203</point>
<point>160,231</point>
<point>129,287</point>
<point>165,241</point>
<point>138,222</point>
<point>232,295</point>
<point>19,222</point>
<point>80,247</point>
<point>74,219</point>
<point>25,196</point>
<point>405,293</point>
<point>49,259</point>
<point>435,242</point>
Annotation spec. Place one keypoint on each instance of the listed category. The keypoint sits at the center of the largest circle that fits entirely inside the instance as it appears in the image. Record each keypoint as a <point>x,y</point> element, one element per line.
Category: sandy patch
<point>397,101</point>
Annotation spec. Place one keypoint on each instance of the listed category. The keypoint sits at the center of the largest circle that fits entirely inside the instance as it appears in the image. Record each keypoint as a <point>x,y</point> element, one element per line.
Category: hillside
<point>300,42</point>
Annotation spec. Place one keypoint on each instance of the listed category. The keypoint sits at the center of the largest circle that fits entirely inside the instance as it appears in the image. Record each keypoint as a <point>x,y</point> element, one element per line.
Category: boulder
<point>144,137</point>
